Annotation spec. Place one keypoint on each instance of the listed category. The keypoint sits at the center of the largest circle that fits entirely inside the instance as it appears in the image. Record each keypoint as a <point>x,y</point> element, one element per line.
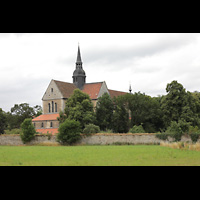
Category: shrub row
<point>177,136</point>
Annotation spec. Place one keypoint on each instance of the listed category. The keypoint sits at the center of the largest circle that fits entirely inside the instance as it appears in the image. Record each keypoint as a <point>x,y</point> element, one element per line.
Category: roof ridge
<point>62,81</point>
<point>117,91</point>
<point>93,83</point>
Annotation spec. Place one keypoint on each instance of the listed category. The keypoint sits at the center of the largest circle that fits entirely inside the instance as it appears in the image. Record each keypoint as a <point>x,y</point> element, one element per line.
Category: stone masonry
<point>96,139</point>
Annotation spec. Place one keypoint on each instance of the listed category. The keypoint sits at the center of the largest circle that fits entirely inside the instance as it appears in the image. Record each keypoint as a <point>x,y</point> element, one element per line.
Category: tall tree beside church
<point>79,107</point>
<point>145,111</point>
<point>179,105</point>
<point>3,122</point>
<point>104,112</point>
<point>120,116</point>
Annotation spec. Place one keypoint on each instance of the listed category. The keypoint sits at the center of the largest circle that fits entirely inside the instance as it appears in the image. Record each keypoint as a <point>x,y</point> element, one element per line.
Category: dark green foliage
<point>120,116</point>
<point>20,112</point>
<point>104,112</point>
<point>28,130</point>
<point>3,121</point>
<point>137,129</point>
<point>91,128</point>
<point>69,132</point>
<point>145,110</point>
<point>177,129</point>
<point>179,105</point>
<point>194,137</point>
<point>162,136</point>
<point>79,107</point>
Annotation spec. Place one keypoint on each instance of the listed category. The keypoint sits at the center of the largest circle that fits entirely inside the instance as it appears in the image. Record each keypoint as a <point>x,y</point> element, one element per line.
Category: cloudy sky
<point>28,62</point>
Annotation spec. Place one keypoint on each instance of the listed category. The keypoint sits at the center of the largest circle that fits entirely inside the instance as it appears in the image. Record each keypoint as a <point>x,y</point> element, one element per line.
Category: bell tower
<point>79,76</point>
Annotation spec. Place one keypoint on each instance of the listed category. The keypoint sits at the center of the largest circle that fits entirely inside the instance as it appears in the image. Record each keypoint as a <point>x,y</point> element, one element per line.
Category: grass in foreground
<point>136,155</point>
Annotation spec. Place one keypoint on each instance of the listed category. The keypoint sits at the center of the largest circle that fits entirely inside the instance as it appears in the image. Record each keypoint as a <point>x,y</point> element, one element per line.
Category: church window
<point>51,89</point>
<point>42,125</point>
<point>49,107</point>
<point>51,125</point>
<point>52,106</point>
<point>56,109</point>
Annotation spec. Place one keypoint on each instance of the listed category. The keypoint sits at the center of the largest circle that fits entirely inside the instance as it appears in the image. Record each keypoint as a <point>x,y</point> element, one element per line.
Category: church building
<point>58,92</point>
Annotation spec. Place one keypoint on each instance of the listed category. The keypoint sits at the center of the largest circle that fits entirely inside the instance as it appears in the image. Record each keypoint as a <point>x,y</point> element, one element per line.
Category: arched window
<point>42,125</point>
<point>51,125</point>
<point>49,107</point>
<point>52,106</point>
<point>56,109</point>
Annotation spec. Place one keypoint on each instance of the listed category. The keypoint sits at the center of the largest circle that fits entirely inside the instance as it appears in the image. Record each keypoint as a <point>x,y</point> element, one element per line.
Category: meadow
<point>122,155</point>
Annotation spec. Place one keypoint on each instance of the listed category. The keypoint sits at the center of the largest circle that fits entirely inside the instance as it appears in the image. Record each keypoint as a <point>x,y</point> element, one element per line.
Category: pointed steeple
<point>78,60</point>
<point>79,74</point>
<point>130,89</point>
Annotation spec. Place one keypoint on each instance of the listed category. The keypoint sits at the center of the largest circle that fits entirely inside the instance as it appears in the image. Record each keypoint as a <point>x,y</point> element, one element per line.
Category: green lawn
<point>133,155</point>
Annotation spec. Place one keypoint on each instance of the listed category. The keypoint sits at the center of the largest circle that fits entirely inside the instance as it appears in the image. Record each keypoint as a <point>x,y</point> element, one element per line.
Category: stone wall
<point>97,139</point>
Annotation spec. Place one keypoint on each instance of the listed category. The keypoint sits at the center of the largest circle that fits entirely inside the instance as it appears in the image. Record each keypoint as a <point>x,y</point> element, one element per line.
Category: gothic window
<point>56,109</point>
<point>51,125</point>
<point>52,106</point>
<point>49,107</point>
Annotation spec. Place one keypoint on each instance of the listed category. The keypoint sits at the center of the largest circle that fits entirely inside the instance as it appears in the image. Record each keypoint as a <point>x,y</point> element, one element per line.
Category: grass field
<point>133,155</point>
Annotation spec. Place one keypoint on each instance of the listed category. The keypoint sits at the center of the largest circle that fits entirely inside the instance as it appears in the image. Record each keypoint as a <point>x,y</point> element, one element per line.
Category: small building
<point>58,92</point>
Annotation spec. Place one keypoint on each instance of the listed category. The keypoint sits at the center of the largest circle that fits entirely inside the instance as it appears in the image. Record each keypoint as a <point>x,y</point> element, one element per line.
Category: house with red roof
<point>58,92</point>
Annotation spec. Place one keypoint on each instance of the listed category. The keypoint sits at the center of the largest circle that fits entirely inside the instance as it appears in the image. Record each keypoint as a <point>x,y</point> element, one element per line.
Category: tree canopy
<point>3,122</point>
<point>79,107</point>
<point>104,112</point>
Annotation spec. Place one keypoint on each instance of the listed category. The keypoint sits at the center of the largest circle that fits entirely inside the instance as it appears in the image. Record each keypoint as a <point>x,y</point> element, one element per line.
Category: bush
<point>28,131</point>
<point>69,132</point>
<point>13,131</point>
<point>137,129</point>
<point>176,130</point>
<point>91,128</point>
<point>162,136</point>
<point>194,137</point>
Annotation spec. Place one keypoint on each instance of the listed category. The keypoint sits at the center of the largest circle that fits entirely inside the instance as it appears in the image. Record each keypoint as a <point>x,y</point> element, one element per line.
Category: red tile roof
<point>65,88</point>
<point>53,131</point>
<point>46,117</point>
<point>114,93</point>
<point>92,89</point>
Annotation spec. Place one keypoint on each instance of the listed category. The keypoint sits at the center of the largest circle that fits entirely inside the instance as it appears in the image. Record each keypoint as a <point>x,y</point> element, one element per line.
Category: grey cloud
<point>23,90</point>
<point>162,44</point>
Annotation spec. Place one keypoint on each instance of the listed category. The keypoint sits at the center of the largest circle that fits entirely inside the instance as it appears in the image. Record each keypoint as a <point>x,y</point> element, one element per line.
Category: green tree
<point>120,116</point>
<point>37,110</point>
<point>137,129</point>
<point>180,105</point>
<point>91,128</point>
<point>3,121</point>
<point>79,107</point>
<point>69,132</point>
<point>28,130</point>
<point>104,112</point>
<point>145,110</point>
<point>20,112</point>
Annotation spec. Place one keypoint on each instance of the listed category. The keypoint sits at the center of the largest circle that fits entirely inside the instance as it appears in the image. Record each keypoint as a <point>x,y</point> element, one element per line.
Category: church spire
<point>130,89</point>
<point>79,76</point>
<point>78,60</point>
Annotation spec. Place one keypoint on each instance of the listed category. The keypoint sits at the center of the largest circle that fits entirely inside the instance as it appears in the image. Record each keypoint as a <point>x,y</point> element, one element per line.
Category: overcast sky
<point>28,62</point>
